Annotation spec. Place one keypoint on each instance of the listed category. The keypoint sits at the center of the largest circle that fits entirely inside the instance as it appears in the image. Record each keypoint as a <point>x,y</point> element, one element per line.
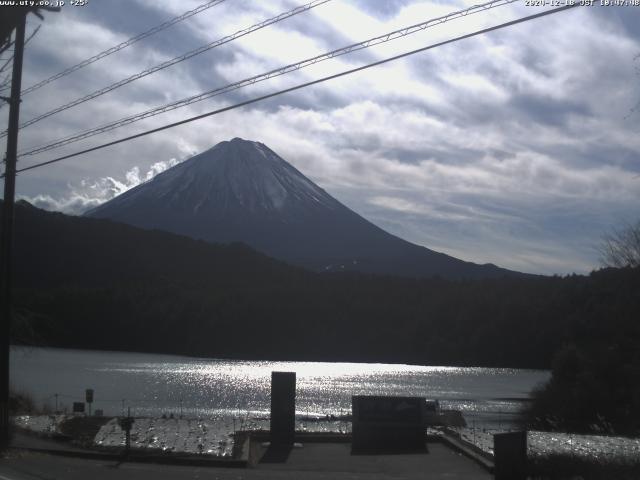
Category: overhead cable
<point>265,76</point>
<point>298,87</point>
<point>4,83</point>
<point>124,44</point>
<point>175,60</point>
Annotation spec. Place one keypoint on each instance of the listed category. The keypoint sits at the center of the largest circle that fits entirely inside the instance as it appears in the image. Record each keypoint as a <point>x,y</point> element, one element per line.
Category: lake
<point>152,385</point>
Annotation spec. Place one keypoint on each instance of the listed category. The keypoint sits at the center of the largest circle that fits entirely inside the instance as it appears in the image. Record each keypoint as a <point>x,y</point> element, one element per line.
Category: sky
<point>518,147</point>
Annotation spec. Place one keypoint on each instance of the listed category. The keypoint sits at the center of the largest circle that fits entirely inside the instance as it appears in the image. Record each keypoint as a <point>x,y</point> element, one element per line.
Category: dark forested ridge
<point>89,283</point>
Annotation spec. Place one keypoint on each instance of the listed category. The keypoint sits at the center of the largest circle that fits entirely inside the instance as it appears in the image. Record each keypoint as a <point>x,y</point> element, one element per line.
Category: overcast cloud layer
<point>519,147</point>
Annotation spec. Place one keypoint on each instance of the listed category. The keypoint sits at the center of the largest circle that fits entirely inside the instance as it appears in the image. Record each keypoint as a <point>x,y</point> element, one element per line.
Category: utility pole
<point>7,229</point>
<point>14,18</point>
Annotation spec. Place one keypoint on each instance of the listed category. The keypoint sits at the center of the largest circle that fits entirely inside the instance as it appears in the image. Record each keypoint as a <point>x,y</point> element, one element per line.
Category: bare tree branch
<point>621,248</point>
<point>5,83</point>
<point>33,34</point>
<point>6,46</point>
<point>6,64</point>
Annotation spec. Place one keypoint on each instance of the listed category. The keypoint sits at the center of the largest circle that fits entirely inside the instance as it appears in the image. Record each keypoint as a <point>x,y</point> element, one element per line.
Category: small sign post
<point>89,398</point>
<point>126,423</point>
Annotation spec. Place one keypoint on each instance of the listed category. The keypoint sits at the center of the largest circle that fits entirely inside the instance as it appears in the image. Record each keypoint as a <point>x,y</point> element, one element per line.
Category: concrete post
<point>283,407</point>
<point>510,456</point>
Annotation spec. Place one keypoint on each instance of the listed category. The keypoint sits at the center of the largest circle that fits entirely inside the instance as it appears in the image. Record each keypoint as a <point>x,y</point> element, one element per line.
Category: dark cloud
<point>382,9</point>
<point>590,155</point>
<point>202,68</point>
<point>325,34</point>
<point>312,99</point>
<point>121,16</point>
<point>501,154</point>
<point>546,110</point>
<point>447,154</point>
<point>627,18</point>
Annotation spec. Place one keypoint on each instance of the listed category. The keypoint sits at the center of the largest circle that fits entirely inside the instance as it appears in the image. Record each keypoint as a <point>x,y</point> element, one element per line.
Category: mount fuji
<point>242,191</point>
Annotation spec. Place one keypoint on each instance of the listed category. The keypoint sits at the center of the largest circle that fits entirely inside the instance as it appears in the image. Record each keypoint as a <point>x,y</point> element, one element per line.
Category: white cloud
<point>91,193</point>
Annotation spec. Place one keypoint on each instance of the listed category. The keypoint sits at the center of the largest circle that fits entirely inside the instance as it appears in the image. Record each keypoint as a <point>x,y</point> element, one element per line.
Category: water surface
<point>153,385</point>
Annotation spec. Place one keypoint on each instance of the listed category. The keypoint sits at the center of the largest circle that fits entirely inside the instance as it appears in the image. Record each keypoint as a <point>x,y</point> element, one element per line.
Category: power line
<point>124,44</point>
<point>175,60</point>
<point>26,42</point>
<point>300,86</point>
<point>4,82</point>
<point>266,76</point>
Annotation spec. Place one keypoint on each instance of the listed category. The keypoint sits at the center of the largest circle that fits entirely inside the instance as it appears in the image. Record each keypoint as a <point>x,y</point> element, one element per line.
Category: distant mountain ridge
<point>242,191</point>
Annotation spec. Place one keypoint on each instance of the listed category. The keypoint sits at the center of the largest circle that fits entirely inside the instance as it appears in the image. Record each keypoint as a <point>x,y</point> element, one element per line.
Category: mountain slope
<point>243,191</point>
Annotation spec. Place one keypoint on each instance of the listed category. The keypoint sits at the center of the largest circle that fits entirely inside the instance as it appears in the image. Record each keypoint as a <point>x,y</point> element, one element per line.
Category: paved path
<point>27,440</point>
<point>312,461</point>
<point>335,459</point>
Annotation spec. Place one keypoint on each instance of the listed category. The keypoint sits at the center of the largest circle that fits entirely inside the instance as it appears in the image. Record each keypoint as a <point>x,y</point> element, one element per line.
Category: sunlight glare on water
<point>153,385</point>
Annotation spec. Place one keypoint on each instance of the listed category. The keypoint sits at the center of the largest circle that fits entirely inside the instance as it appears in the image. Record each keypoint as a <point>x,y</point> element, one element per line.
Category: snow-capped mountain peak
<point>241,190</point>
<point>239,172</point>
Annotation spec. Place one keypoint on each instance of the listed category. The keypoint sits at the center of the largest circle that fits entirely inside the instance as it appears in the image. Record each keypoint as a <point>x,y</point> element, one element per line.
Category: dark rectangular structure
<point>78,407</point>
<point>510,456</point>
<point>283,407</point>
<point>388,424</point>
